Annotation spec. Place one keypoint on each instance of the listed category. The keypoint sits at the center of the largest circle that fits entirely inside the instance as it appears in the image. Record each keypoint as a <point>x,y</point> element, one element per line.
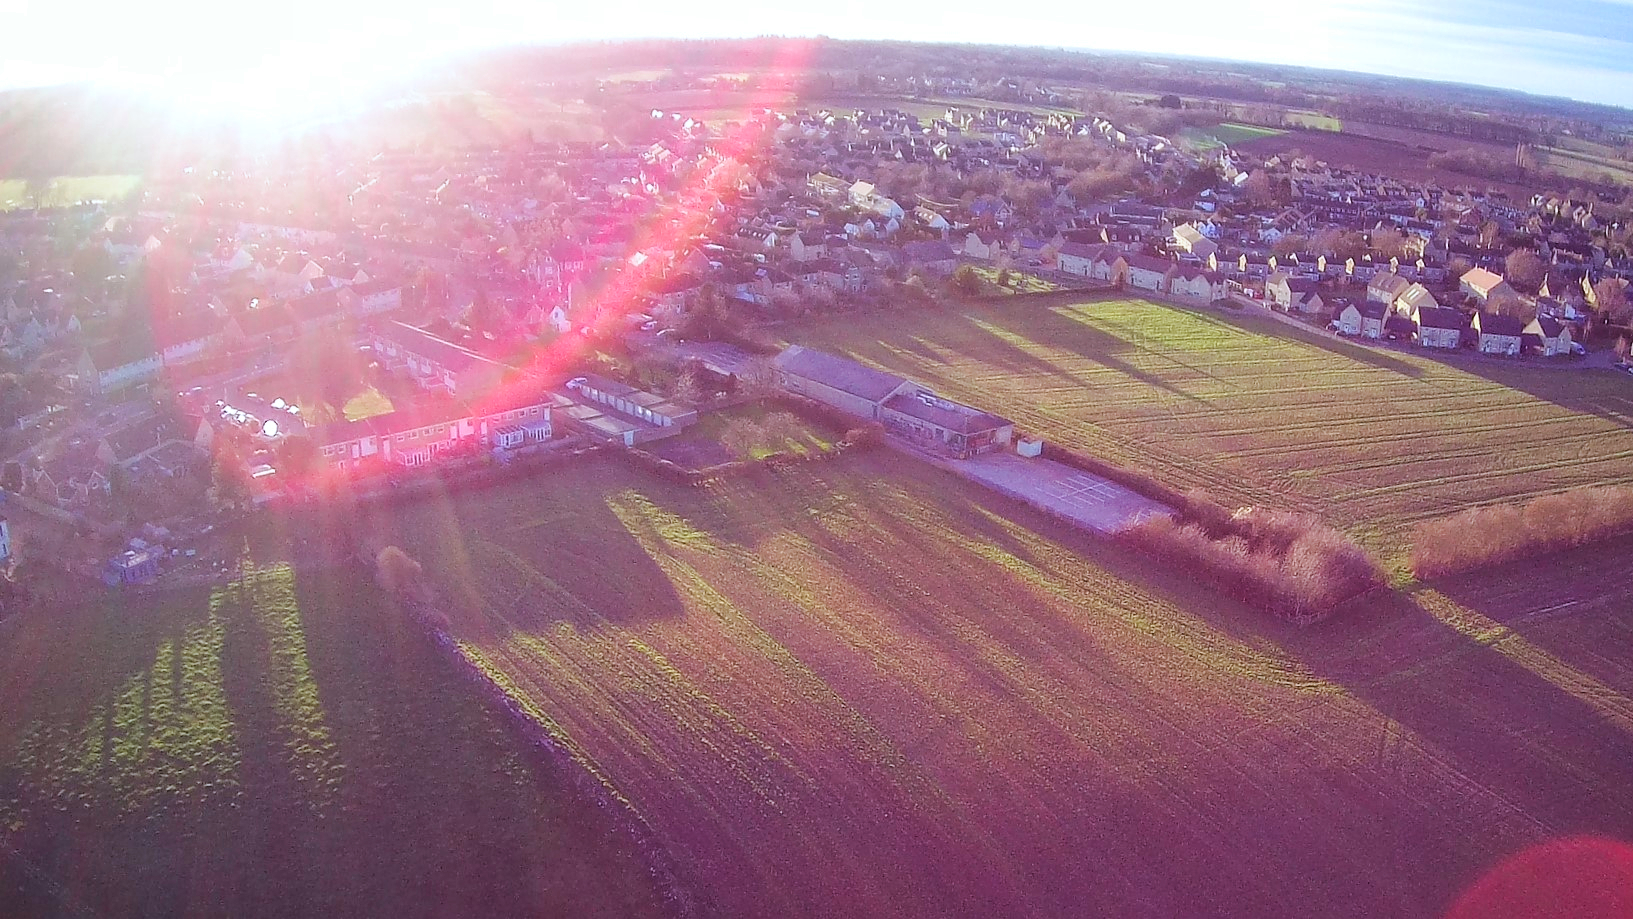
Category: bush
<point>868,435</point>
<point>1289,564</point>
<point>1506,532</point>
<point>396,572</point>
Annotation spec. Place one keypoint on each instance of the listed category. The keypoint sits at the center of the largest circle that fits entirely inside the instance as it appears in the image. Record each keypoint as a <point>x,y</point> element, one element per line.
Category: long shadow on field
<point>530,555</point>
<point>1361,354</point>
<point>947,331</point>
<point>1519,745</point>
<point>1056,330</point>
<point>1567,605</point>
<point>1600,392</point>
<point>411,736</point>
<point>62,664</point>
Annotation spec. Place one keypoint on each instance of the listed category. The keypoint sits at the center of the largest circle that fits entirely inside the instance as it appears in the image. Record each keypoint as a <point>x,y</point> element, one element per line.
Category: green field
<point>1261,413</point>
<point>865,688</point>
<point>1225,134</point>
<point>282,746</point>
<point>65,190</point>
<point>1312,120</point>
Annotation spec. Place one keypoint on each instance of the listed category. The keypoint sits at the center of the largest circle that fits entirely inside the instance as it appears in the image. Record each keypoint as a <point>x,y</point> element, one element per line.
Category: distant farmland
<point>282,746</point>
<point>863,688</point>
<point>14,193</point>
<point>1260,413</point>
<point>1227,134</point>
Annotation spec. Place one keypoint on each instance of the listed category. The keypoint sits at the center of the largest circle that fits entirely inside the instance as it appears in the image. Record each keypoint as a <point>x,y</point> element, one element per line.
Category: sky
<point>1580,49</point>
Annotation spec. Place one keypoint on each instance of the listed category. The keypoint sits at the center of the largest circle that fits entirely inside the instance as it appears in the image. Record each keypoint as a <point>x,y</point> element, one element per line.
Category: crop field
<point>278,747</point>
<point>67,190</point>
<point>1259,412</point>
<point>1226,134</point>
<point>864,688</point>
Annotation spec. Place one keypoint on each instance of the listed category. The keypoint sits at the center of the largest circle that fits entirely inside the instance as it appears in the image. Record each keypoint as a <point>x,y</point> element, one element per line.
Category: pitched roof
<point>1150,263</point>
<point>839,373</point>
<point>961,419</point>
<point>1481,280</point>
<point>1498,324</point>
<point>1440,317</point>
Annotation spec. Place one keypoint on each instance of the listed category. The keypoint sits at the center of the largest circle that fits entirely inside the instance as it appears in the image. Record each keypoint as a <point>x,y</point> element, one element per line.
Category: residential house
<point>1386,287</point>
<point>1196,283</point>
<point>1289,294</point>
<point>1077,258</point>
<point>807,246</point>
<point>1483,285</point>
<point>1439,327</point>
<point>1498,334</point>
<point>1146,272</point>
<point>983,245</point>
<point>376,297</point>
<point>183,340</point>
<point>1548,336</point>
<point>433,362</point>
<point>1188,238</point>
<point>1365,319</point>
<point>933,255</point>
<point>418,436</point>
<point>1414,298</point>
<point>113,365</point>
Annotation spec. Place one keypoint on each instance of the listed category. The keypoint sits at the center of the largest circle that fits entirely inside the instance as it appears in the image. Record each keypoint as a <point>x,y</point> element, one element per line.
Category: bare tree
<point>689,386</point>
<point>742,437</point>
<point>1513,304</point>
<point>1525,269</point>
<point>1610,297</point>
<point>758,379</point>
<point>1259,189</point>
<point>1389,243</point>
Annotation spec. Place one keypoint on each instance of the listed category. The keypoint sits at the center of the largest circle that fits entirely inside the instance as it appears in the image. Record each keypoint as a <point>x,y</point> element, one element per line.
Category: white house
<point>1146,272</point>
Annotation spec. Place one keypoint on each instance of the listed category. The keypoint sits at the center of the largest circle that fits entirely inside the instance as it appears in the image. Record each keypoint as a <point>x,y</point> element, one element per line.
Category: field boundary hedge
<point>1292,565</point>
<point>1504,533</point>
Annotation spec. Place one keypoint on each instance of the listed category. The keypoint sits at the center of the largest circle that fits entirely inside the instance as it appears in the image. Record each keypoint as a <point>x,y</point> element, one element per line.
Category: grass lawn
<point>367,404</point>
<point>701,446</point>
<point>1313,120</point>
<point>864,688</point>
<point>1259,413</point>
<point>1019,280</point>
<point>278,747</point>
<point>68,190</point>
<point>1226,134</point>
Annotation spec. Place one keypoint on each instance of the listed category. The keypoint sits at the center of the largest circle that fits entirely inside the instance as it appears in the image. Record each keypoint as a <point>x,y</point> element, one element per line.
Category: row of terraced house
<point>1148,273</point>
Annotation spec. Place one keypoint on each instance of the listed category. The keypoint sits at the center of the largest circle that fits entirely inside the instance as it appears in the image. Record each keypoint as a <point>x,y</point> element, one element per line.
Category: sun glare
<point>295,85</point>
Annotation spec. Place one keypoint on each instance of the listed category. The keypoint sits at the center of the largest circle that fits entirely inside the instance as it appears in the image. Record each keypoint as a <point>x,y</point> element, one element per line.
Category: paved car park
<point>1087,500</point>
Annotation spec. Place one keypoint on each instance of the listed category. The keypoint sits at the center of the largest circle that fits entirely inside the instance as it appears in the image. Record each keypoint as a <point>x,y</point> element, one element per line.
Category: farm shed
<point>836,381</point>
<point>929,420</point>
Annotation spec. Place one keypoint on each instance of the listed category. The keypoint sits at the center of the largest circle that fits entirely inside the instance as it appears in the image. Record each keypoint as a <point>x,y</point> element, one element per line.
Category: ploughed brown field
<point>1398,152</point>
<point>862,687</point>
